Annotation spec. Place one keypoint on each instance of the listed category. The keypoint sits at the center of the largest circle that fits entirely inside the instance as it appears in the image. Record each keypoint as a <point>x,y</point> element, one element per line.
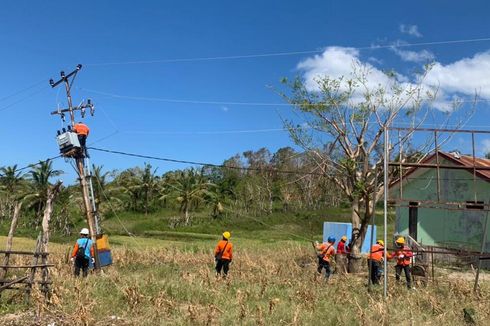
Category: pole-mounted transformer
<point>71,148</point>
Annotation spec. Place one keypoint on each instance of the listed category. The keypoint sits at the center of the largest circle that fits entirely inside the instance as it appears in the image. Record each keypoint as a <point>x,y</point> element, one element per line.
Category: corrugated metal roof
<point>464,160</point>
<point>468,161</point>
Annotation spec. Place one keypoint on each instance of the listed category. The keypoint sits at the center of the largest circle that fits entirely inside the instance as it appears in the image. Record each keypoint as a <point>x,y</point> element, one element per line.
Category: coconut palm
<point>149,184</point>
<point>12,182</point>
<point>190,187</point>
<point>100,182</point>
<point>40,176</point>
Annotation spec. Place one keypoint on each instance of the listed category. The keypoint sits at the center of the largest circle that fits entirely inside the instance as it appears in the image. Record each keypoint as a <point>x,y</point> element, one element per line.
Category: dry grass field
<point>158,282</point>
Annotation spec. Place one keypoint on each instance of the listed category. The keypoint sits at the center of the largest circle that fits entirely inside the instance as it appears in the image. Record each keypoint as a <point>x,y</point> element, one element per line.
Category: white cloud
<point>457,80</point>
<point>485,146</point>
<point>412,30</point>
<point>414,56</point>
<point>337,62</point>
<point>464,76</point>
<point>375,60</point>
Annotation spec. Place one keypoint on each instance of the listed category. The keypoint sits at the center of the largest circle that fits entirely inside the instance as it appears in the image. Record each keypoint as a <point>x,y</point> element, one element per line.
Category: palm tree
<point>11,182</point>
<point>148,186</point>
<point>40,176</point>
<point>190,187</point>
<point>99,183</point>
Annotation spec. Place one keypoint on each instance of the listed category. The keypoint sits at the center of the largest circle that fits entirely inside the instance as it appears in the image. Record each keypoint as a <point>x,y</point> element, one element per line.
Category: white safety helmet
<point>84,231</point>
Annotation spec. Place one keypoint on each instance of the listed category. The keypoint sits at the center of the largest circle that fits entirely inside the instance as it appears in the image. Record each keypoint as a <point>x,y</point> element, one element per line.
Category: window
<point>475,205</point>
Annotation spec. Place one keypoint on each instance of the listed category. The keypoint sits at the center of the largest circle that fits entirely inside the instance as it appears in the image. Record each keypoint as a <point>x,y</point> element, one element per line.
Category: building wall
<point>452,228</point>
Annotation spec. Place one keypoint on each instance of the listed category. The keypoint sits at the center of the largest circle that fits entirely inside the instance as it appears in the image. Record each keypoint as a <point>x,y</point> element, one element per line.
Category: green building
<point>426,215</point>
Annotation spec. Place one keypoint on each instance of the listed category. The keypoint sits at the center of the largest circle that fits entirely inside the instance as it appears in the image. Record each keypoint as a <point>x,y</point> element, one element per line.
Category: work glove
<point>72,259</point>
<point>93,260</point>
<point>316,243</point>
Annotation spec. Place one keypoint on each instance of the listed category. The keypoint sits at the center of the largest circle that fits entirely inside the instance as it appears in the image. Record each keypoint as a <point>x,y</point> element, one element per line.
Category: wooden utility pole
<point>79,156</point>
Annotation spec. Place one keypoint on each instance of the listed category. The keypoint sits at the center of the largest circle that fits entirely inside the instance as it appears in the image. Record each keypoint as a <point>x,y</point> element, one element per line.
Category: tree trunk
<point>355,259</point>
<point>187,217</point>
<point>52,193</point>
<point>8,247</point>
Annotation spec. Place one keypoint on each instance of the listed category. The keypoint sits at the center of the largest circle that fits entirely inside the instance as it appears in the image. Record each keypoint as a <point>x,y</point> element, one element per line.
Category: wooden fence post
<point>52,193</point>
<point>8,247</point>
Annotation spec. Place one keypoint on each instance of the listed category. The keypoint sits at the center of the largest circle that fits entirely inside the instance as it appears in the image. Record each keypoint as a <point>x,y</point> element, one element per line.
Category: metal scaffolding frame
<point>406,168</point>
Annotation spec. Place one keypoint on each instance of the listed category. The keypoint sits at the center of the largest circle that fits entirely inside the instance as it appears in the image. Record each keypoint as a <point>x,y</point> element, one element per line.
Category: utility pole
<point>79,155</point>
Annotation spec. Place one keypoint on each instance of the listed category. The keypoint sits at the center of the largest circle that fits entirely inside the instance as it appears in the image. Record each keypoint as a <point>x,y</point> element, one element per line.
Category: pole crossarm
<point>81,107</point>
<point>71,109</point>
<point>64,77</point>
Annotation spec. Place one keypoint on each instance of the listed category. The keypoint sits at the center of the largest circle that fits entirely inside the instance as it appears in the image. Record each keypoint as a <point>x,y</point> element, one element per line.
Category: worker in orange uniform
<point>375,261</point>
<point>82,131</point>
<point>403,255</point>
<point>223,254</point>
<point>325,253</point>
<point>82,253</point>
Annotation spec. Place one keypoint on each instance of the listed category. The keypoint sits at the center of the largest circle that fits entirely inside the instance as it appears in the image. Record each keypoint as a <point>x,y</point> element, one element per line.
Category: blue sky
<point>41,38</point>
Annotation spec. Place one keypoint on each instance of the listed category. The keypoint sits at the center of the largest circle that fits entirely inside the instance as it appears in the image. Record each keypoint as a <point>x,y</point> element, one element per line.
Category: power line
<point>203,163</point>
<point>132,236</point>
<point>215,102</point>
<point>286,53</point>
<point>40,162</point>
<point>222,132</point>
<point>169,100</point>
<point>23,99</point>
<point>22,90</point>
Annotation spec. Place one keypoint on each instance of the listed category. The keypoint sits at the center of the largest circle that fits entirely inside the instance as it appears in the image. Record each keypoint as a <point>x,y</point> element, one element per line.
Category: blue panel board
<point>105,258</point>
<point>337,230</point>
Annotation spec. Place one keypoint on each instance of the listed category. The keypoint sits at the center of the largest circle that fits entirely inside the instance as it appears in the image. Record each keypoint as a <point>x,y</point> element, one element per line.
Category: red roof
<point>463,160</point>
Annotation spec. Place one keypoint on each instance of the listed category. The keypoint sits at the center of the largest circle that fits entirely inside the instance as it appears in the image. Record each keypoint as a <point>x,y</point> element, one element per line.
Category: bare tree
<point>342,130</point>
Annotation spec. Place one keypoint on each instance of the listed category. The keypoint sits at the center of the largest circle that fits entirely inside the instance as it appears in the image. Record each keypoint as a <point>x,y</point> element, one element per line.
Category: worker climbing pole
<point>72,144</point>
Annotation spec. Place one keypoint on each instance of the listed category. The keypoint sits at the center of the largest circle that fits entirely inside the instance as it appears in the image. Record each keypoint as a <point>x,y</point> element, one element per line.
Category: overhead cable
<point>22,90</point>
<point>286,53</point>
<point>40,162</point>
<point>23,99</point>
<point>169,100</point>
<point>204,163</point>
<point>215,102</point>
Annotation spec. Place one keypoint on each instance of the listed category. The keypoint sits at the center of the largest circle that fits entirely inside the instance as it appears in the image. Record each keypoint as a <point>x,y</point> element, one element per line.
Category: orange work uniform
<point>375,258</point>
<point>377,252</point>
<point>403,256</point>
<point>81,129</point>
<point>226,247</point>
<point>326,251</point>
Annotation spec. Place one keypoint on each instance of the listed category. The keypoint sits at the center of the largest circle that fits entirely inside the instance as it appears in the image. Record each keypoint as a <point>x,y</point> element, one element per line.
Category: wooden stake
<point>7,285</point>
<point>48,210</point>
<point>52,193</point>
<point>8,247</point>
<point>35,261</point>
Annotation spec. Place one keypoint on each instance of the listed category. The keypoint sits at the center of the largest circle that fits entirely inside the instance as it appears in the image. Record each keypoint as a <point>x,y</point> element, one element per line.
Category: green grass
<point>276,226</point>
<point>267,228</point>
